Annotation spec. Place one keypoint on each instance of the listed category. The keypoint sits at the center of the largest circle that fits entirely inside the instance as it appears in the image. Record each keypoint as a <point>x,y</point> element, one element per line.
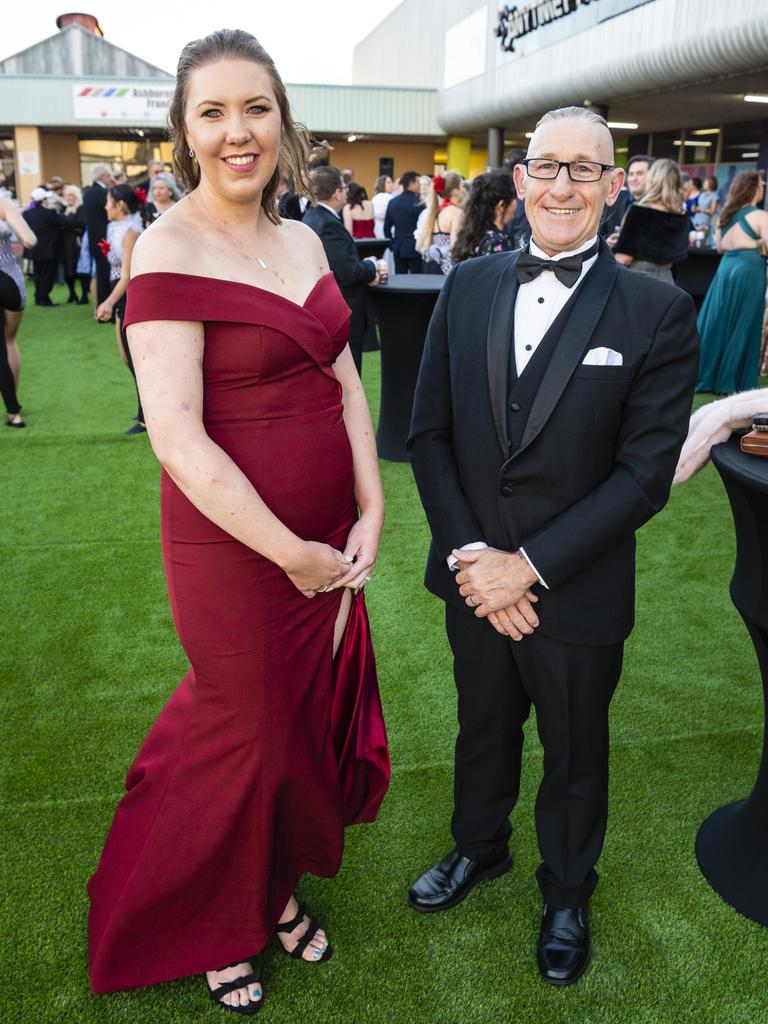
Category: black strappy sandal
<point>312,929</point>
<point>253,978</point>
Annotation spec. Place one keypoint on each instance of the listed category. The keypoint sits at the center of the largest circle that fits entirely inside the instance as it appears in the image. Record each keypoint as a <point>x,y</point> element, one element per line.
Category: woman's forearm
<point>222,492</point>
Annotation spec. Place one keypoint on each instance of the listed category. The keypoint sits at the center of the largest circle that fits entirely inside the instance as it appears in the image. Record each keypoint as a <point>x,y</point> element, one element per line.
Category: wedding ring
<point>473,600</point>
<point>367,579</point>
<point>321,590</point>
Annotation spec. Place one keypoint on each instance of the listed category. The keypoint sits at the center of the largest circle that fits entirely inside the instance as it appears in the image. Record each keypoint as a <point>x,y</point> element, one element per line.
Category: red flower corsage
<point>141,194</point>
<point>104,246</point>
<point>438,184</point>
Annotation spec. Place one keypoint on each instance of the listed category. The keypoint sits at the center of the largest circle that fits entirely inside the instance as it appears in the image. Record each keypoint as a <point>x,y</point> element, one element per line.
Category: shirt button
<point>528,348</point>
<point>541,299</point>
<point>515,407</point>
<point>507,491</point>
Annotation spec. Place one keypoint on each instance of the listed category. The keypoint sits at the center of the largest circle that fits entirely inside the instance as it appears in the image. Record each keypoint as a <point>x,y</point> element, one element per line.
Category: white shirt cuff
<point>474,546</point>
<point>541,581</point>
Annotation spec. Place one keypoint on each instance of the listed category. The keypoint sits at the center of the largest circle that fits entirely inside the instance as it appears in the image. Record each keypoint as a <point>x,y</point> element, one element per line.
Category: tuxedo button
<point>507,491</point>
<point>515,406</point>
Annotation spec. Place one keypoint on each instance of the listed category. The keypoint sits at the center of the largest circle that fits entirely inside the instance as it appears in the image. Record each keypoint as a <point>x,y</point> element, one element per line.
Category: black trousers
<point>103,284</point>
<point>571,688</point>
<point>43,274</point>
<point>408,264</point>
<point>10,298</point>
<point>120,312</point>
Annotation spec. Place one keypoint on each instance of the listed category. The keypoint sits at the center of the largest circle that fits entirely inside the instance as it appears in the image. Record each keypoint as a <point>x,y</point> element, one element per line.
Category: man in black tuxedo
<point>400,222</point>
<point>45,224</point>
<point>95,203</point>
<point>551,406</point>
<point>352,274</point>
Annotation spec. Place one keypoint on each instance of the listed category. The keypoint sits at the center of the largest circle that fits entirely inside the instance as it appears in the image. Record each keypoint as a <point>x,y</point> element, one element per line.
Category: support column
<point>762,157</point>
<point>29,162</point>
<point>459,150</point>
<point>719,142</point>
<point>495,148</point>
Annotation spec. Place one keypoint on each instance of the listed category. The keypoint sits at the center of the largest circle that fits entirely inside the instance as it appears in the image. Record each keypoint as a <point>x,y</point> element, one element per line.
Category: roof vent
<point>85,21</point>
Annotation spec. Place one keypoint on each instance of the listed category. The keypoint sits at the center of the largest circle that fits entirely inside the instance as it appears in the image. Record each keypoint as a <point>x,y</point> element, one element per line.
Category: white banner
<point>134,103</point>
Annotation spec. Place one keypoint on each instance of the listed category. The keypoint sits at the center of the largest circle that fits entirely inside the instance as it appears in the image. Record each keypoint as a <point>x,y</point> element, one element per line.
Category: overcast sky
<point>310,41</point>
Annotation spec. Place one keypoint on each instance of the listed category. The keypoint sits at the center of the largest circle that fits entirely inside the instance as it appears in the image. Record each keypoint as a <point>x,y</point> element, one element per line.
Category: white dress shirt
<point>539,302</point>
<point>537,305</point>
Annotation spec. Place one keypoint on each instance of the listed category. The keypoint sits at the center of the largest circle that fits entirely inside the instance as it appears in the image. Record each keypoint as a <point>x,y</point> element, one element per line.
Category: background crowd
<point>84,239</point>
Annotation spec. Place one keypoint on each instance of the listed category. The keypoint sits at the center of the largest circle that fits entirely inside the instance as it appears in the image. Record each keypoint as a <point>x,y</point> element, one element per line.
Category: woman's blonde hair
<point>78,194</point>
<point>664,186</point>
<point>450,181</point>
<point>235,44</point>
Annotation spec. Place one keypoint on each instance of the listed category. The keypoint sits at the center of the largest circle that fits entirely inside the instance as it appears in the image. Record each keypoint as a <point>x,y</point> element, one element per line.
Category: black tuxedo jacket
<point>95,208</point>
<point>401,217</point>
<point>45,224</point>
<point>352,274</point>
<point>598,450</point>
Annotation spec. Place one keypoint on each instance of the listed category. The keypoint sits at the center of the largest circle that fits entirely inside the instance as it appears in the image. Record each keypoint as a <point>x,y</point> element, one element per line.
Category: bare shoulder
<point>169,244</point>
<point>300,238</point>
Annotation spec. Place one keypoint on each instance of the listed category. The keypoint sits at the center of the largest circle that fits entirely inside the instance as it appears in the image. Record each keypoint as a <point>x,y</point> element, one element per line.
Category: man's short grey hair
<point>98,171</point>
<point>562,113</point>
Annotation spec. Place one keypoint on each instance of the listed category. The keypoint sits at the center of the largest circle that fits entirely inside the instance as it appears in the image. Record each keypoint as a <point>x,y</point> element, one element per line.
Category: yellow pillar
<point>29,162</point>
<point>459,150</point>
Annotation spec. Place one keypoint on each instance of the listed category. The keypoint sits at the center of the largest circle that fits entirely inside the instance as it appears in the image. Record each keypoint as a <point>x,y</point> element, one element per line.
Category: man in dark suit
<point>95,203</point>
<point>552,403</point>
<point>517,230</point>
<point>352,274</point>
<point>634,190</point>
<point>400,224</point>
<point>45,224</point>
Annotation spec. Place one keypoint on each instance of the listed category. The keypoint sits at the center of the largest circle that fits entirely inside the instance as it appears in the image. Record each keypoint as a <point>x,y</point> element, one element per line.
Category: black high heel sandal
<point>312,929</point>
<point>17,426</point>
<point>252,978</point>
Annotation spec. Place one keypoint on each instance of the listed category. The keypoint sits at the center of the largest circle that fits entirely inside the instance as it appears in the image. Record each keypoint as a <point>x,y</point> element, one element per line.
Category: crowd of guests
<point>435,223</point>
<point>83,239</point>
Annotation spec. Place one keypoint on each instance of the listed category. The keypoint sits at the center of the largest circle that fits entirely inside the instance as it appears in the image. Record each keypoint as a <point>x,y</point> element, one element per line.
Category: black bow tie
<point>567,270</point>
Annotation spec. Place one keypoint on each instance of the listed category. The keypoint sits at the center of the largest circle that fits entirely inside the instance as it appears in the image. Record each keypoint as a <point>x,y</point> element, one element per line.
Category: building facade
<point>686,79</point>
<point>75,99</point>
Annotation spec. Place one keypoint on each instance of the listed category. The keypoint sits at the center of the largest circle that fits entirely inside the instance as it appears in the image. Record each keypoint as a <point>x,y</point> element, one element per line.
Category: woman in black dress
<point>72,223</point>
<point>490,207</point>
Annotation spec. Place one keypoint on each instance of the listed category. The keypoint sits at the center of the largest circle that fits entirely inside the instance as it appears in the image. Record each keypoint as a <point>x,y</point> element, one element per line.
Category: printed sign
<point>134,103</point>
<point>516,22</point>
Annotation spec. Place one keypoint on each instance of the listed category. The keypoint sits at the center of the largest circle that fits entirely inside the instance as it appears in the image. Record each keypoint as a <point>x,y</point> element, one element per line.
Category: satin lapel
<point>588,305</point>
<point>501,326</point>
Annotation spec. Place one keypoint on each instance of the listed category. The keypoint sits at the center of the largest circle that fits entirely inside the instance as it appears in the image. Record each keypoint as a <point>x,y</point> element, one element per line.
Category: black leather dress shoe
<point>449,881</point>
<point>563,951</point>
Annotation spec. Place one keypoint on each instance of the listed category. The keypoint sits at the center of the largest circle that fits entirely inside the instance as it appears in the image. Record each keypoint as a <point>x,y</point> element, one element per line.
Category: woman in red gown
<point>271,512</point>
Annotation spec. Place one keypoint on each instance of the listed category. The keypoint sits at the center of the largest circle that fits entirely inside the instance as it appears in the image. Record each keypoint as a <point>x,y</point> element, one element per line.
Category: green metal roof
<point>69,102</point>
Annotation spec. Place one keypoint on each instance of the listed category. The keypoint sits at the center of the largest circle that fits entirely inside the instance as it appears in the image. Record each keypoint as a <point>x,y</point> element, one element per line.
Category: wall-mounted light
<point>679,142</point>
<point>706,131</point>
<point>351,138</point>
<point>756,99</point>
<point>750,156</point>
<point>629,125</point>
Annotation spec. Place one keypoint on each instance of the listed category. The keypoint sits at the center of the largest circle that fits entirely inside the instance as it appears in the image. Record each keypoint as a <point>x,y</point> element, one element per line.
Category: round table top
<point>372,243</point>
<point>749,469</point>
<point>413,284</point>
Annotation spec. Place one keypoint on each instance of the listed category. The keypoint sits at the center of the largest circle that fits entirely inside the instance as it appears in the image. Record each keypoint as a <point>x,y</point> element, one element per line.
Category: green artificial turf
<point>89,656</point>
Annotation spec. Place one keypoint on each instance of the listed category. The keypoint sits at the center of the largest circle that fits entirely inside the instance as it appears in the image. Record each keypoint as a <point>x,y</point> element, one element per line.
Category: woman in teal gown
<point>731,319</point>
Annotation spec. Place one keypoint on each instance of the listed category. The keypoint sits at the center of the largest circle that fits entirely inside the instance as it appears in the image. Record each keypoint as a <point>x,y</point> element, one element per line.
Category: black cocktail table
<point>732,844</point>
<point>403,309</point>
<point>695,273</point>
<point>372,247</point>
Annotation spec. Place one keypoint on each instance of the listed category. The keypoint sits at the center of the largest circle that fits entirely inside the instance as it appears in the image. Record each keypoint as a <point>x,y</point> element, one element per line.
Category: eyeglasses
<point>578,170</point>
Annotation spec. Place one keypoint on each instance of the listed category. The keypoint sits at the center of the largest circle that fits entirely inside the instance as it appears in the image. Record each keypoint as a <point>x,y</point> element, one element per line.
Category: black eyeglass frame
<point>567,164</point>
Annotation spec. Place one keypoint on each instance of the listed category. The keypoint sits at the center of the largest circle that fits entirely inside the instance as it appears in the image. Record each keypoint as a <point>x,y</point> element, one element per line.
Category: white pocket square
<point>603,357</point>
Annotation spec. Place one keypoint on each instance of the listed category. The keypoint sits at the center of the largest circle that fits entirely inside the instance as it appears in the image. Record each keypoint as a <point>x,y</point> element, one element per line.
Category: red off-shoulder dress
<point>269,746</point>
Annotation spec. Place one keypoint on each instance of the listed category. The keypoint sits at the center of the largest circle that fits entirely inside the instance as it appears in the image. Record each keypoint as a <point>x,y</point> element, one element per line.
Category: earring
<point>191,152</point>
